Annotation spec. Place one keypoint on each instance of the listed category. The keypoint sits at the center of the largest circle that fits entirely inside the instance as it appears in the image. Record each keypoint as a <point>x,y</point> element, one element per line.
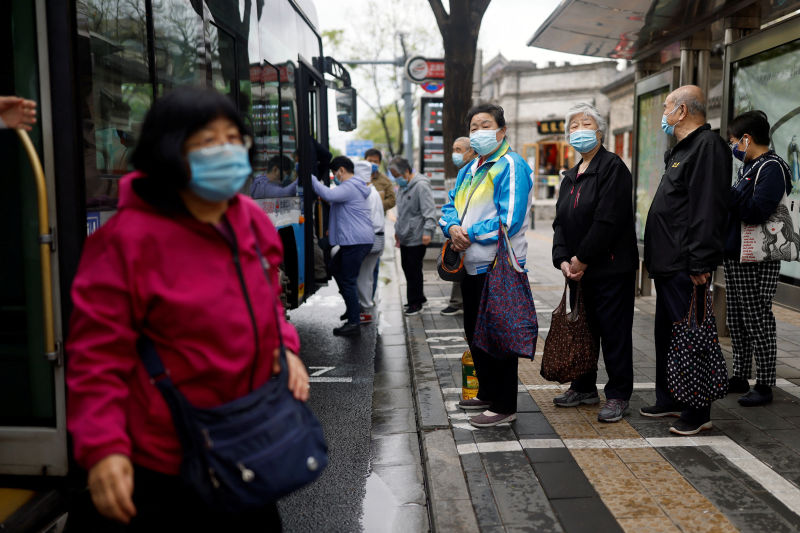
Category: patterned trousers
<point>749,289</point>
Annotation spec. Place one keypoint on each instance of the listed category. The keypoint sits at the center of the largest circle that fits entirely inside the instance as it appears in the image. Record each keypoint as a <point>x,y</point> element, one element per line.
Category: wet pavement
<point>361,393</point>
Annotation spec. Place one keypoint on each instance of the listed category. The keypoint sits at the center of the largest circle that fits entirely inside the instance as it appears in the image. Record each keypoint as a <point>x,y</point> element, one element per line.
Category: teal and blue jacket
<point>505,195</point>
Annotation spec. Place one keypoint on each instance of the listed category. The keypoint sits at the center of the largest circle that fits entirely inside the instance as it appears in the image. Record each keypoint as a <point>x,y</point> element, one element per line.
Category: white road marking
<point>774,483</point>
<point>439,331</point>
<point>321,370</point>
<point>330,380</point>
<point>448,355</point>
<point>446,339</point>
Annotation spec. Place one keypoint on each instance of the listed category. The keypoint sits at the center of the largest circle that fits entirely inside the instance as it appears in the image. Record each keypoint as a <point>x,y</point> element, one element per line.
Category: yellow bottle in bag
<point>469,381</point>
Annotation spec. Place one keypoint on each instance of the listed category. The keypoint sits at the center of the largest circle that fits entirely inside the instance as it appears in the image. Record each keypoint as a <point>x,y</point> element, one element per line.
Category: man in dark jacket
<point>684,234</point>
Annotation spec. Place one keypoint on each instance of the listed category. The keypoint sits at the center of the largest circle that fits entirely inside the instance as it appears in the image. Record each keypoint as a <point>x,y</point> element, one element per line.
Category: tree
<point>459,29</point>
<point>374,34</point>
<point>378,130</point>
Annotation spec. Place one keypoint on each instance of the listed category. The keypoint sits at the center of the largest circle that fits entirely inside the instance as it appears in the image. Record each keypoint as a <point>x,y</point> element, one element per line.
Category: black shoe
<point>451,311</point>
<point>755,397</point>
<point>414,309</point>
<point>348,330</point>
<point>682,427</point>
<point>738,385</point>
<point>660,411</point>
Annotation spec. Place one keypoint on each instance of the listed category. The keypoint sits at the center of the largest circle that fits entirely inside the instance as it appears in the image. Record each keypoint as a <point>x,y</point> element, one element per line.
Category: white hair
<point>589,110</point>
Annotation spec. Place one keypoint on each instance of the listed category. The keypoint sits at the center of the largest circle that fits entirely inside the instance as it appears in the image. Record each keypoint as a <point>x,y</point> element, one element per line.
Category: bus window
<point>178,36</point>
<point>220,46</point>
<point>116,93</point>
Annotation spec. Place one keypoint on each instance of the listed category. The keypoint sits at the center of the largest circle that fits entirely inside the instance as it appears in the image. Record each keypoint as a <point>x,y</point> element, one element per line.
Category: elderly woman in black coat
<point>594,245</point>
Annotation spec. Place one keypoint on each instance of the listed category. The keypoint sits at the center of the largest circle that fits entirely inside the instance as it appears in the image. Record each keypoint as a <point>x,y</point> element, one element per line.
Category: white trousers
<point>365,279</point>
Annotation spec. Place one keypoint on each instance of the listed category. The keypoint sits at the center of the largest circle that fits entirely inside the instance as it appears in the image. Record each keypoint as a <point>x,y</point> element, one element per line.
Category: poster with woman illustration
<point>768,81</point>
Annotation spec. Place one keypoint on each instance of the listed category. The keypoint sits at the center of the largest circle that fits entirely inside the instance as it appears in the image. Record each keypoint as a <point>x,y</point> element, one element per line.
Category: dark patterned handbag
<point>696,370</point>
<point>570,349</point>
<point>507,326</point>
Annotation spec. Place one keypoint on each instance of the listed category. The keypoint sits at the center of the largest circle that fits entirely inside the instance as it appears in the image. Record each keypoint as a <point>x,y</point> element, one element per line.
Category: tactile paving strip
<point>642,490</point>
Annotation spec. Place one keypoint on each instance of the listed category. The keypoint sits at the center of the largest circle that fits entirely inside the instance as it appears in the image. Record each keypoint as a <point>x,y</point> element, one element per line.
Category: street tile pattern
<point>577,474</point>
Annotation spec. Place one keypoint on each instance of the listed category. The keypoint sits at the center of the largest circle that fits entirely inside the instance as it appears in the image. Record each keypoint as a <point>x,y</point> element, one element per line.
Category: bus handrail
<point>45,246</point>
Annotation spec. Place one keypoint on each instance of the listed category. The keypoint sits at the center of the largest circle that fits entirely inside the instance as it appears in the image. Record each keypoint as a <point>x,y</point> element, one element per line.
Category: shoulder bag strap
<point>758,173</point>
<point>466,206</point>
<point>284,375</point>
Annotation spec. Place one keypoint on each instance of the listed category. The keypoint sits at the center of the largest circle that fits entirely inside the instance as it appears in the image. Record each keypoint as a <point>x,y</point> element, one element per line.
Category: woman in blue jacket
<point>750,287</point>
<point>499,186</point>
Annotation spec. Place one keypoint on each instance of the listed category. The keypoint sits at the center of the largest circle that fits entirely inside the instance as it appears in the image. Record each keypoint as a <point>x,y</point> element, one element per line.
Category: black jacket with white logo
<point>685,230</point>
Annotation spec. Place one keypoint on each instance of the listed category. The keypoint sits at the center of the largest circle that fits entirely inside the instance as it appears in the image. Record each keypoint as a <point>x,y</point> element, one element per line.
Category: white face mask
<point>484,142</point>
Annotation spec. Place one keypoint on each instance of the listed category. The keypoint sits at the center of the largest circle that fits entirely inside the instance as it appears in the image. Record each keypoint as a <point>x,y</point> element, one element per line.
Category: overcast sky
<point>506,28</point>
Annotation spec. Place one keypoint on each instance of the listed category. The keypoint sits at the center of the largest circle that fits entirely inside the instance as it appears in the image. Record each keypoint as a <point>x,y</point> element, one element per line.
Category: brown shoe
<point>473,404</point>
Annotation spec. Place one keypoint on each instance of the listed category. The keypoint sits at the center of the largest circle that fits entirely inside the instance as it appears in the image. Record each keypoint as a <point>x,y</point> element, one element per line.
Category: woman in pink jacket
<point>178,263</point>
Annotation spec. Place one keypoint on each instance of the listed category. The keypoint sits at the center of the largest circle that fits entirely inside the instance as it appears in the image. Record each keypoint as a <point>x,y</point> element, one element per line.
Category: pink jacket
<point>173,279</point>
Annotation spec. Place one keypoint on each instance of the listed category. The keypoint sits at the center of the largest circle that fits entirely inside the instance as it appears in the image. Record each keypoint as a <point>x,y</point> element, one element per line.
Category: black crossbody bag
<point>248,452</point>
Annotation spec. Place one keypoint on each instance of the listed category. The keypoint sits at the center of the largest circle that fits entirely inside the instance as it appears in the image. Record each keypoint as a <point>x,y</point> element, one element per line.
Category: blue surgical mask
<point>739,154</point>
<point>669,129</point>
<point>583,140</point>
<point>336,180</point>
<point>218,172</point>
<point>374,168</point>
<point>484,142</point>
<point>402,182</point>
<point>458,159</point>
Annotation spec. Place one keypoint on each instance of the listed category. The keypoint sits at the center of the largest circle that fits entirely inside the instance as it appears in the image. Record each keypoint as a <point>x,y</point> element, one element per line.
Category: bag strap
<point>472,192</point>
<point>504,242</point>
<point>284,375</point>
<point>758,173</point>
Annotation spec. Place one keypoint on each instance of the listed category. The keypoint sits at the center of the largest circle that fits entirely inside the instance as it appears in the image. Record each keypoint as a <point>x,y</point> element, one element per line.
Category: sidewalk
<point>561,470</point>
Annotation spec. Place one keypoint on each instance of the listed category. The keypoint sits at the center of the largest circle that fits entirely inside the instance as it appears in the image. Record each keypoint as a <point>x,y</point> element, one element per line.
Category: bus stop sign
<point>421,69</point>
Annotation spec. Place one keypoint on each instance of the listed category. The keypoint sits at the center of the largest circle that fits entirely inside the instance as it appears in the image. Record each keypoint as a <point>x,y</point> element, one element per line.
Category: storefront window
<point>650,152</point>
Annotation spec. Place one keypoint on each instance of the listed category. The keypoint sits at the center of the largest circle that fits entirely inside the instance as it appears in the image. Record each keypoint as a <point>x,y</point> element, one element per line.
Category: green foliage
<point>372,129</point>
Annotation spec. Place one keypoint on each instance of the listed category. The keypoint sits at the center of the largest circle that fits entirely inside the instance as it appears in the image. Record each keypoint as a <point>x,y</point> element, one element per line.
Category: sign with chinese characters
<point>420,69</point>
<point>282,211</point>
<point>549,127</point>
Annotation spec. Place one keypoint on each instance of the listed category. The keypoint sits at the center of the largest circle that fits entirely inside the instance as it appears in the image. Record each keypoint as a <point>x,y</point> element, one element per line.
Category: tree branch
<point>478,7</point>
<point>442,17</point>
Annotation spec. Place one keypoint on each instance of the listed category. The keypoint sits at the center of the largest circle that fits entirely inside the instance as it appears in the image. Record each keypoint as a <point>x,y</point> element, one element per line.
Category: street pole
<point>408,107</point>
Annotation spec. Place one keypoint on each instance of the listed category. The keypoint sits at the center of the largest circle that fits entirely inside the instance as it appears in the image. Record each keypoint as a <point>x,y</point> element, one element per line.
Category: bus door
<point>32,416</point>
<point>314,156</point>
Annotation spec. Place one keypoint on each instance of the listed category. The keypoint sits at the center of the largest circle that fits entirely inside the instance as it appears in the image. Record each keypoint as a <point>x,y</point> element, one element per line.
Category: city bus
<point>94,67</point>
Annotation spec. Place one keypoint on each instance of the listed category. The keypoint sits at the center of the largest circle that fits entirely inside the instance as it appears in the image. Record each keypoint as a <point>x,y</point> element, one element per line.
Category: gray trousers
<point>366,279</point>
<point>456,300</point>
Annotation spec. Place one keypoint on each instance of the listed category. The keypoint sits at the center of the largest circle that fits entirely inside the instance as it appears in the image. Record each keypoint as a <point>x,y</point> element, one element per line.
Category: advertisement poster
<point>768,82</point>
<point>651,143</point>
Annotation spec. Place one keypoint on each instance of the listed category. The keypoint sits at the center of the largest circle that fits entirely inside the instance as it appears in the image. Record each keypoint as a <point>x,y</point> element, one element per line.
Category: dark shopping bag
<point>696,370</point>
<point>570,349</point>
<point>507,325</point>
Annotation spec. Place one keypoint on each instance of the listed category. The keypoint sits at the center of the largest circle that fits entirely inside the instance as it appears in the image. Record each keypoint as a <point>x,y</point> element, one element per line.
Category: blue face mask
<point>583,140</point>
<point>218,172</point>
<point>739,154</point>
<point>458,159</point>
<point>669,129</point>
<point>402,182</point>
<point>484,142</point>
<point>336,180</point>
<point>374,168</point>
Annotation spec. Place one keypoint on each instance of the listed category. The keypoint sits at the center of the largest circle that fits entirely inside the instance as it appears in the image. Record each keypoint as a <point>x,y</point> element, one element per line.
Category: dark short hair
<point>342,161</point>
<point>753,123</point>
<point>400,164</point>
<point>281,161</point>
<point>495,110</point>
<point>171,120</point>
<point>373,151</point>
